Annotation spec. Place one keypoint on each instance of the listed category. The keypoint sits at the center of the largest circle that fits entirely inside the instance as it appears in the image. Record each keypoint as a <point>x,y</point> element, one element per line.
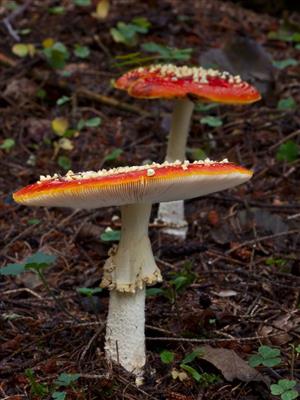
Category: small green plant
<point>56,55</point>
<point>93,122</point>
<point>82,3</point>
<point>128,33</point>
<point>288,62</point>
<point>63,100</point>
<point>286,104</point>
<point>64,162</point>
<point>266,356</point>
<point>89,292</point>
<point>167,357</point>
<point>110,235</point>
<point>211,121</point>
<point>167,53</point>
<point>288,151</point>
<point>8,144</point>
<point>277,262</point>
<point>285,389</point>
<point>113,155</point>
<point>36,389</point>
<point>81,51</point>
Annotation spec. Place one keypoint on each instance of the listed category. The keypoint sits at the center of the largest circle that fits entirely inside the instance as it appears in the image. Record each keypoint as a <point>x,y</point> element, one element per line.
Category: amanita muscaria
<point>185,85</point>
<point>132,265</point>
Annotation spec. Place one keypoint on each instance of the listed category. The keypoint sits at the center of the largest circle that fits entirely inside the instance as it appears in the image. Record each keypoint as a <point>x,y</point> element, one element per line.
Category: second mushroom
<point>185,85</point>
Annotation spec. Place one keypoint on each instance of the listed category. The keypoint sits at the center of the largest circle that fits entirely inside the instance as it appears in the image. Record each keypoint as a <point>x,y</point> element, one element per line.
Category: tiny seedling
<point>64,162</point>
<point>167,357</point>
<point>288,151</point>
<point>213,122</point>
<point>110,235</point>
<point>89,292</point>
<point>285,389</point>
<point>63,100</point>
<point>286,104</point>
<point>8,144</point>
<point>167,53</point>
<point>266,356</point>
<point>81,51</point>
<point>288,62</point>
<point>113,155</point>
<point>93,122</point>
<point>82,3</point>
<point>56,54</point>
<point>36,389</point>
<point>128,33</point>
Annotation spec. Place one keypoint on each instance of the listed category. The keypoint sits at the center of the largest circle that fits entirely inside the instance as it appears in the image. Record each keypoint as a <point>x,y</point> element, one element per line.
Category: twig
<point>262,238</point>
<point>111,101</point>
<point>83,354</point>
<point>7,21</point>
<point>22,290</point>
<point>193,340</point>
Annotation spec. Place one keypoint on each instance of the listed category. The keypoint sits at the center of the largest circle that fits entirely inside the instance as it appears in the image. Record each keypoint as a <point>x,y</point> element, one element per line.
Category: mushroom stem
<point>125,330</point>
<point>131,265</point>
<point>172,213</point>
<point>180,126</point>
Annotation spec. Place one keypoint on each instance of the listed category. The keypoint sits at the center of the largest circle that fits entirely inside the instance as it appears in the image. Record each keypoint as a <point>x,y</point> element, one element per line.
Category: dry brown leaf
<point>230,364</point>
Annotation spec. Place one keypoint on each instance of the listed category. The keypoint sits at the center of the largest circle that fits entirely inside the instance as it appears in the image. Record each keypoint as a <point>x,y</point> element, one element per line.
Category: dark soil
<point>243,247</point>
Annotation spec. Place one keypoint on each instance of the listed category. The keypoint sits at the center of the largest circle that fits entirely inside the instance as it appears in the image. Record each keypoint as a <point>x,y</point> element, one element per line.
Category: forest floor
<point>232,286</point>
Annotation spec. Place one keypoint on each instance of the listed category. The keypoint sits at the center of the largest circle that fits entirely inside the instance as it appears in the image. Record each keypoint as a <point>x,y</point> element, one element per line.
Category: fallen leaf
<point>59,125</point>
<point>226,293</point>
<point>102,9</point>
<point>230,364</point>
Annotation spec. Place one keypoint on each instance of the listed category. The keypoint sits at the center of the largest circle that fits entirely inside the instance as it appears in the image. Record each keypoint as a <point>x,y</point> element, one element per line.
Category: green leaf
<point>255,360</point>
<point>37,389</point>
<point>280,262</point>
<point>286,104</point>
<point>56,55</point>
<point>179,282</point>
<point>66,379</point>
<point>282,64</point>
<point>110,235</point>
<point>64,162</point>
<point>63,100</point>
<point>197,154</point>
<point>80,124</point>
<point>290,395</point>
<point>82,3</point>
<point>203,107</point>
<point>191,356</point>
<point>297,349</point>
<point>268,352</point>
<point>89,292</point>
<point>271,362</point>
<point>93,122</point>
<point>214,122</point>
<point>39,261</point>
<point>8,144</point>
<point>154,292</point>
<point>20,50</point>
<point>81,51</point>
<point>59,395</point>
<point>56,10</point>
<point>195,374</point>
<point>33,221</point>
<point>12,269</point>
<point>113,155</point>
<point>167,357</point>
<point>168,53</point>
<point>276,389</point>
<point>286,384</point>
<point>288,151</point>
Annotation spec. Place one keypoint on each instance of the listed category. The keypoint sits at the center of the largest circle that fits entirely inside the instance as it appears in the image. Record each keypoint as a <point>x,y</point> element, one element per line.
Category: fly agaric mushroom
<point>131,266</point>
<point>186,85</point>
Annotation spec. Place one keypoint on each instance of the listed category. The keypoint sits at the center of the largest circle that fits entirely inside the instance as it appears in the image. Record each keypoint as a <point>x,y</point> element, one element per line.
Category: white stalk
<point>131,265</point>
<point>172,213</point>
<point>125,330</point>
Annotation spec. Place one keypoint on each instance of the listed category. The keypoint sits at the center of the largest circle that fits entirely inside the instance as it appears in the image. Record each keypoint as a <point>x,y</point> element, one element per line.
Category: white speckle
<point>150,172</point>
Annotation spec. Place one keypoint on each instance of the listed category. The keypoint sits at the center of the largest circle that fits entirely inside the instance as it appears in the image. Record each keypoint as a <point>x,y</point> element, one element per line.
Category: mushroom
<point>131,266</point>
<point>185,85</point>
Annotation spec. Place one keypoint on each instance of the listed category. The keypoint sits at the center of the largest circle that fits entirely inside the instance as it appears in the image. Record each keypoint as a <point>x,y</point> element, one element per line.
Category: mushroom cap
<point>170,81</point>
<point>129,185</point>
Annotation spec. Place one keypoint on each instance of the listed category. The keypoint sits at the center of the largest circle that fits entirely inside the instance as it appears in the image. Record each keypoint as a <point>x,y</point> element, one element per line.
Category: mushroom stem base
<point>131,264</point>
<point>172,214</point>
<point>125,336</point>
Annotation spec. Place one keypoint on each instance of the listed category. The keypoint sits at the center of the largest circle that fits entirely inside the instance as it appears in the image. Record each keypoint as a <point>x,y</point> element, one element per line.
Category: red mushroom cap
<point>130,185</point>
<point>169,81</point>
